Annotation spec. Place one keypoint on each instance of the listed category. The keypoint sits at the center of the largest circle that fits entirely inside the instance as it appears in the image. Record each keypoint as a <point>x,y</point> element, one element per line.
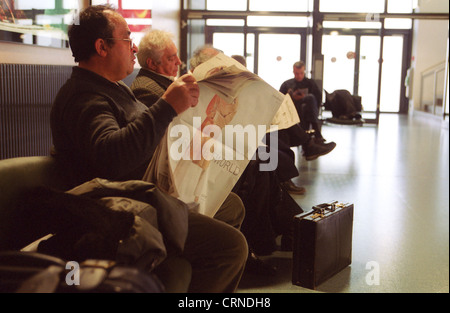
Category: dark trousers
<point>291,137</point>
<point>308,111</point>
<point>216,249</point>
<point>269,209</point>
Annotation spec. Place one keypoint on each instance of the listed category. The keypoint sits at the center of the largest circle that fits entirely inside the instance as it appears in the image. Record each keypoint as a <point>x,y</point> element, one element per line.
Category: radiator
<point>26,96</point>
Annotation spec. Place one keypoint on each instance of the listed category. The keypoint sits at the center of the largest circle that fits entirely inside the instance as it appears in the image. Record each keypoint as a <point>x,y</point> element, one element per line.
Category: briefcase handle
<point>329,206</point>
<point>319,209</point>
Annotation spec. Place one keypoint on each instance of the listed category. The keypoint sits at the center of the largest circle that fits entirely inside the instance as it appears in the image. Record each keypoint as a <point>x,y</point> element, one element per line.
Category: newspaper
<point>286,115</point>
<point>207,148</point>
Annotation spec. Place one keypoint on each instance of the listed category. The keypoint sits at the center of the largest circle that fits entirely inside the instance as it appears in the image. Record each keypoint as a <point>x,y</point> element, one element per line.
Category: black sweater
<point>101,130</point>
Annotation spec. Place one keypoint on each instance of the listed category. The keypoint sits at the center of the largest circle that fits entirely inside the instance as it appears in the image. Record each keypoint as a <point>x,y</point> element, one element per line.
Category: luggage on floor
<point>322,243</point>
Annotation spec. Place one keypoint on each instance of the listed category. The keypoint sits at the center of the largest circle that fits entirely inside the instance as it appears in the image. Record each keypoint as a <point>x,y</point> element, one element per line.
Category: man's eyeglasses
<point>124,39</point>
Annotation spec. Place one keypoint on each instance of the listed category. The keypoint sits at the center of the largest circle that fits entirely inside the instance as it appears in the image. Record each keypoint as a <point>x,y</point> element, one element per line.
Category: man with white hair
<point>158,57</point>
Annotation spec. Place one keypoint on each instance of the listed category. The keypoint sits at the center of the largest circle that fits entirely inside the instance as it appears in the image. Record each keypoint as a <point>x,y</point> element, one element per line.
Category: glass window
<point>229,43</point>
<point>37,22</point>
<point>368,71</point>
<point>228,5</point>
<point>398,23</point>
<point>115,3</point>
<point>281,5</point>
<point>391,73</point>
<point>277,21</point>
<point>352,25</point>
<point>277,54</point>
<point>250,52</point>
<point>400,6</point>
<point>373,6</point>
<point>136,5</point>
<point>195,4</point>
<point>339,62</point>
<point>29,4</point>
<point>225,22</point>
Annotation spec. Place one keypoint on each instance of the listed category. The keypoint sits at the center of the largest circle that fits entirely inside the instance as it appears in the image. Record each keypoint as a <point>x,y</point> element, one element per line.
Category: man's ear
<point>100,47</point>
<point>151,65</point>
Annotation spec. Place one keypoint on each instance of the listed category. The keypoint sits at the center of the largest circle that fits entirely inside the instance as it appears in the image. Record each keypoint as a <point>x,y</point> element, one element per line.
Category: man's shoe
<point>319,140</point>
<point>257,266</point>
<point>290,187</point>
<point>312,150</point>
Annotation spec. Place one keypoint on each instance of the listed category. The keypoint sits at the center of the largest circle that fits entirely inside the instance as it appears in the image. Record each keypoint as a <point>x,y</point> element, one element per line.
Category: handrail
<point>431,71</point>
<point>434,68</point>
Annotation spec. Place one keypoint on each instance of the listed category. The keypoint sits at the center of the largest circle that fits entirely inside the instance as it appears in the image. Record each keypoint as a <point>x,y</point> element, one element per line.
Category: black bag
<point>30,272</point>
<point>322,243</point>
<point>343,105</point>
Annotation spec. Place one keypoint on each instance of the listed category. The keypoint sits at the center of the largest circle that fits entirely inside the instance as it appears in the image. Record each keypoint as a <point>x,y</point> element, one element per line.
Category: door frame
<point>406,56</point>
<point>303,32</point>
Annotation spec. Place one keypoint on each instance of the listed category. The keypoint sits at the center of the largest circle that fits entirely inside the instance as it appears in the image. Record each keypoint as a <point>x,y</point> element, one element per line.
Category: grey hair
<point>202,54</point>
<point>152,46</point>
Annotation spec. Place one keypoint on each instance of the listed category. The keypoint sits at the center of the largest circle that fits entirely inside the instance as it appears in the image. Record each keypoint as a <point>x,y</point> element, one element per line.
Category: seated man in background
<point>307,98</point>
<point>158,57</point>
<point>101,130</point>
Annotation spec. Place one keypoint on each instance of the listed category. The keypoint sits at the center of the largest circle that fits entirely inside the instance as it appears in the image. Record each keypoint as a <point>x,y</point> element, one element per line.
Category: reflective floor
<point>397,176</point>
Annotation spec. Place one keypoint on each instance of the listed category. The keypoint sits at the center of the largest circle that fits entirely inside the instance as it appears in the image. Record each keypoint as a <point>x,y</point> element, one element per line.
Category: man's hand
<point>296,95</point>
<point>182,93</point>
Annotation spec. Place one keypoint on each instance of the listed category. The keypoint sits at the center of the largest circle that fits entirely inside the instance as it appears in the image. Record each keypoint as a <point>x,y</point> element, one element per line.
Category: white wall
<point>429,45</point>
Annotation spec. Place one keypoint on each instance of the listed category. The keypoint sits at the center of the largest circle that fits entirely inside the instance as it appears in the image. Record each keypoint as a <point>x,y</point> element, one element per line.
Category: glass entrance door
<point>391,76</point>
<point>271,56</point>
<point>351,62</point>
<point>369,71</point>
<point>276,55</point>
<point>339,62</point>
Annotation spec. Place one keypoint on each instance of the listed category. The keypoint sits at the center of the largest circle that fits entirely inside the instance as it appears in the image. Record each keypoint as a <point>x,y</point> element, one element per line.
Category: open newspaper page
<point>207,148</point>
<point>286,115</point>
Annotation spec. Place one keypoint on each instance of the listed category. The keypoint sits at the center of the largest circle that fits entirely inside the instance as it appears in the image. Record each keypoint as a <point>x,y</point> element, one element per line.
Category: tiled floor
<point>397,176</point>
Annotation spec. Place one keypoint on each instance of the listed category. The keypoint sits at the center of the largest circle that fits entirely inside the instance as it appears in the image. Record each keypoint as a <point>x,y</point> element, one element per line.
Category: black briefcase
<point>322,243</point>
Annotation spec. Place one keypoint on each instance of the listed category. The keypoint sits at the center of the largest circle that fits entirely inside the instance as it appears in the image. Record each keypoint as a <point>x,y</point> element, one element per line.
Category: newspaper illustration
<point>207,148</point>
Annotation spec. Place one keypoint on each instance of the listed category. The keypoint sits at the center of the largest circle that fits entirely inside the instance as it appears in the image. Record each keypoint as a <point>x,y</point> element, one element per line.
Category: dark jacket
<point>148,86</point>
<point>131,222</point>
<point>100,129</point>
<point>292,84</point>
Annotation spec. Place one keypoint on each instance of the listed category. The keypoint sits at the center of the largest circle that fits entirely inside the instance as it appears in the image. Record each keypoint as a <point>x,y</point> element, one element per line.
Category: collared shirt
<point>172,78</point>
